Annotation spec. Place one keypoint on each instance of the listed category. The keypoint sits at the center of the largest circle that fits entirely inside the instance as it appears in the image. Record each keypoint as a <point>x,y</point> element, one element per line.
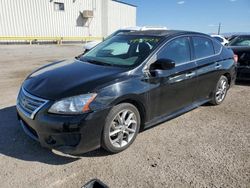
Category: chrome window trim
<point>146,67</point>
<point>198,59</point>
<point>213,48</point>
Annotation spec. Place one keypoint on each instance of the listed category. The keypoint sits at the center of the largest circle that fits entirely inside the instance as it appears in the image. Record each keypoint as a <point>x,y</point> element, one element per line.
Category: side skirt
<point>166,117</point>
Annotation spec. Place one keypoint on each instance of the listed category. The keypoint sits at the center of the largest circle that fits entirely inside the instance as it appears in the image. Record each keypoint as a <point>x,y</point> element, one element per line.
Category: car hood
<point>68,78</point>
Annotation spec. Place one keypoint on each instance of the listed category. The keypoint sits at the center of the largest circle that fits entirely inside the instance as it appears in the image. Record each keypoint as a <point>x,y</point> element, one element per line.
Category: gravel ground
<point>207,147</point>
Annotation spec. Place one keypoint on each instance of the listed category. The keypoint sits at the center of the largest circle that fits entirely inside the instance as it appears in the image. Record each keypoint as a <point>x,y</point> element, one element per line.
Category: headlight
<point>73,105</point>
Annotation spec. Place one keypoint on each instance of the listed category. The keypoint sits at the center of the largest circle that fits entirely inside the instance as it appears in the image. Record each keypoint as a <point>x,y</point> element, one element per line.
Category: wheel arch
<point>228,76</point>
<point>134,100</point>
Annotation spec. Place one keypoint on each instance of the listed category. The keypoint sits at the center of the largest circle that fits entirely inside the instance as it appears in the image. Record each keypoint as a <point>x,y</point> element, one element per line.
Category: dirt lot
<point>207,147</point>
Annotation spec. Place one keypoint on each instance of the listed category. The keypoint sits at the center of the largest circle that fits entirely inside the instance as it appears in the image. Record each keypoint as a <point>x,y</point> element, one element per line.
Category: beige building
<point>64,18</point>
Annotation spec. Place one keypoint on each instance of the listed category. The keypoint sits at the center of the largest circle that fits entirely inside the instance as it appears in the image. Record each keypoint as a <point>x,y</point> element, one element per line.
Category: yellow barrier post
<point>59,40</point>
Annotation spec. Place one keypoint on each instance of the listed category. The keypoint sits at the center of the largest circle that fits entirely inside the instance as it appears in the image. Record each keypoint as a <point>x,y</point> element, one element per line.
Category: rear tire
<point>121,127</point>
<point>220,91</point>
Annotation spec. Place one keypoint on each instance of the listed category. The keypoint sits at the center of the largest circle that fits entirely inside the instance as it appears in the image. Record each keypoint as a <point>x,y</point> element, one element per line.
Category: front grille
<point>29,104</point>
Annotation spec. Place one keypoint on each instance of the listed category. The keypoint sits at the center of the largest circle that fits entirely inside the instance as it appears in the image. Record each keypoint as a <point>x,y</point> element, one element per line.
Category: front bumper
<point>243,73</point>
<point>74,134</point>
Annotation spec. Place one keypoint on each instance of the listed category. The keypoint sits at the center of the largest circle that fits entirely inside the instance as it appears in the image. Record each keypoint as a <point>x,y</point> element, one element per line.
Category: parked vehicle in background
<point>232,37</point>
<point>89,45</point>
<point>127,83</point>
<point>241,47</point>
<point>221,39</point>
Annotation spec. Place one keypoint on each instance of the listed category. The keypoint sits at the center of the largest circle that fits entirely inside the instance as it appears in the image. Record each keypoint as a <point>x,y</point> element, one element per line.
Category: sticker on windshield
<point>149,40</point>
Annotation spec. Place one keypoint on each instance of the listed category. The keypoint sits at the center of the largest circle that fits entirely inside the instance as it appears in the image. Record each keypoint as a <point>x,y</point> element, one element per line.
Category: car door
<point>208,66</point>
<point>173,89</point>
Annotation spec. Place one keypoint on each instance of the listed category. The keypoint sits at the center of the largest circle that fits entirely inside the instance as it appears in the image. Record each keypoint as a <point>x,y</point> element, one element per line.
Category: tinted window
<point>219,39</point>
<point>177,50</point>
<point>203,47</point>
<point>217,47</point>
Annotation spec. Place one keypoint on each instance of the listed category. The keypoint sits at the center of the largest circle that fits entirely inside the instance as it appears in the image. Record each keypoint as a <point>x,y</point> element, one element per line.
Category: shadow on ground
<point>14,143</point>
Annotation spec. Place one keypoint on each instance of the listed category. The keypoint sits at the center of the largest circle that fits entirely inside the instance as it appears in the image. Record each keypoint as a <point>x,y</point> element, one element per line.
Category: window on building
<point>58,6</point>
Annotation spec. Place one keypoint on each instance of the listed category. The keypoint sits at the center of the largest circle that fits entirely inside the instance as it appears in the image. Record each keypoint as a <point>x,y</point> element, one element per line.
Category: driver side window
<point>177,50</point>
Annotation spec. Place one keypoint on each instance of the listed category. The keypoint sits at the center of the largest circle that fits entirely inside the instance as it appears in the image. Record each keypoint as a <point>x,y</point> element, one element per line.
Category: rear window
<point>203,47</point>
<point>219,39</point>
<point>217,47</point>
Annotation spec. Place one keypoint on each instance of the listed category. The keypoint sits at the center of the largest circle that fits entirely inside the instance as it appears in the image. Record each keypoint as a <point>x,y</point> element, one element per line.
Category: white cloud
<point>212,25</point>
<point>180,2</point>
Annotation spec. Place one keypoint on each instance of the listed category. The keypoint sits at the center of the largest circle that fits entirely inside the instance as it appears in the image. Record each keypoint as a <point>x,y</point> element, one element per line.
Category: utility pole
<point>219,28</point>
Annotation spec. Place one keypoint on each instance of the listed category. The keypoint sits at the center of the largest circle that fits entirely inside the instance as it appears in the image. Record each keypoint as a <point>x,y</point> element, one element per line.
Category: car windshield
<point>122,50</point>
<point>240,41</point>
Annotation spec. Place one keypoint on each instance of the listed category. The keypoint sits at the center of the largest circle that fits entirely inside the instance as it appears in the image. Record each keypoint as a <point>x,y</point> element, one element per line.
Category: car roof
<point>217,36</point>
<point>138,28</point>
<point>162,33</point>
<point>242,35</point>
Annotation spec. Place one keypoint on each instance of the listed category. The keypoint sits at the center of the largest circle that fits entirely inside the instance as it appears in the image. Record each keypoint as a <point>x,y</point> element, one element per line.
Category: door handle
<point>190,74</point>
<point>218,66</point>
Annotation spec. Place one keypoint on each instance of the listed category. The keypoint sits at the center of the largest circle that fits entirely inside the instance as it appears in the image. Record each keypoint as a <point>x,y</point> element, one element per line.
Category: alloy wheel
<point>221,91</point>
<point>123,128</point>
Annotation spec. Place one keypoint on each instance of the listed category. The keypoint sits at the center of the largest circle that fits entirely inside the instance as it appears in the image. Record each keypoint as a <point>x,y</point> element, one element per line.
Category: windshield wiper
<point>97,62</point>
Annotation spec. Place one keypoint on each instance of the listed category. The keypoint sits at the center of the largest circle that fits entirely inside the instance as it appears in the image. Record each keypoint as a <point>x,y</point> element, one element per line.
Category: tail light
<point>235,58</point>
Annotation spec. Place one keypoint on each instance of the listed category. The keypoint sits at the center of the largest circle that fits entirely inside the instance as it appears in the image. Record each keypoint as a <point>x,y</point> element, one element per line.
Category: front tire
<point>121,127</point>
<point>220,91</point>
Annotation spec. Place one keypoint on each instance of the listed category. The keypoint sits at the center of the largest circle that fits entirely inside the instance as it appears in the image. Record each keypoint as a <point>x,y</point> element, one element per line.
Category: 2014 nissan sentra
<point>127,83</point>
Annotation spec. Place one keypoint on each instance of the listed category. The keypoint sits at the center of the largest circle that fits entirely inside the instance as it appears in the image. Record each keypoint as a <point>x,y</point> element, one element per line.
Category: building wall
<point>38,18</point>
<point>120,16</point>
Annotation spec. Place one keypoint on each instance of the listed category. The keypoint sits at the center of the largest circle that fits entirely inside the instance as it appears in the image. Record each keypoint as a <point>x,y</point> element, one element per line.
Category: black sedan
<point>241,47</point>
<point>127,83</point>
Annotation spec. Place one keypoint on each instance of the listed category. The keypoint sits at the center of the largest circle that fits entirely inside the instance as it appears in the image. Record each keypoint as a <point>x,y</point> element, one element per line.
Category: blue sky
<point>196,15</point>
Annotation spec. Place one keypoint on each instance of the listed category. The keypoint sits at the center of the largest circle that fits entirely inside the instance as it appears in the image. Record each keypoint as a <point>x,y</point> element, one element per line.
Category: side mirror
<point>163,64</point>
